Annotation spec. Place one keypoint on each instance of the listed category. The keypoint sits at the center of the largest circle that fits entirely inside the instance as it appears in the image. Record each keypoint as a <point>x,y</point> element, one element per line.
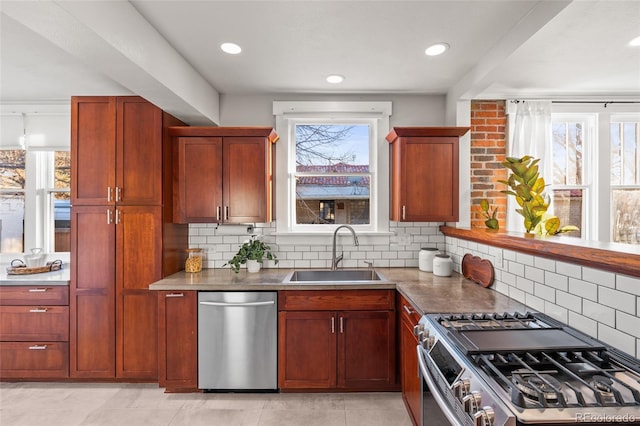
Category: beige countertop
<point>428,293</point>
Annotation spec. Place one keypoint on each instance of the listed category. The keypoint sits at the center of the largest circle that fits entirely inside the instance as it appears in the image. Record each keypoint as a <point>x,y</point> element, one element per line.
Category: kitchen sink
<point>340,276</point>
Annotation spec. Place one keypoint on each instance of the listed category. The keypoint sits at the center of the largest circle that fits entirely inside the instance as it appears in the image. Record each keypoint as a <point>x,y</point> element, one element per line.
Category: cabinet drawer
<point>407,312</point>
<point>34,323</point>
<point>327,300</point>
<point>34,295</point>
<point>34,360</point>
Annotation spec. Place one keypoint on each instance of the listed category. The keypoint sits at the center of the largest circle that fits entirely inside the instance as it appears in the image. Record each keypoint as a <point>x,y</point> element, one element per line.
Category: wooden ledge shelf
<point>617,258</point>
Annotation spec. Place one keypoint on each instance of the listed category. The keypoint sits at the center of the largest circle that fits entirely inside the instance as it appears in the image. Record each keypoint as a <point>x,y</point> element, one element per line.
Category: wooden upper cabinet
<point>223,174</point>
<point>116,146</point>
<point>424,173</point>
<point>93,150</point>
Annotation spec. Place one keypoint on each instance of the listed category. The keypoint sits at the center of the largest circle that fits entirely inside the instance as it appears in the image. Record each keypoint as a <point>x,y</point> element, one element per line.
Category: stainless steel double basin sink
<point>329,277</point>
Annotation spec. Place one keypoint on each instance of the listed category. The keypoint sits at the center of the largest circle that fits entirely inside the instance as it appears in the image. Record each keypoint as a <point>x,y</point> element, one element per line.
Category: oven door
<point>435,408</point>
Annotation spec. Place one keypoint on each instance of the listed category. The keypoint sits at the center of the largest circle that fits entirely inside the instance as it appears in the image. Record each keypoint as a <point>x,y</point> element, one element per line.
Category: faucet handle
<point>369,264</point>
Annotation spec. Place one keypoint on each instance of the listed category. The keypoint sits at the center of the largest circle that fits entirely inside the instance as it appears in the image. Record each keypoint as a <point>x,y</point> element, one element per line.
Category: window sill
<point>613,257</point>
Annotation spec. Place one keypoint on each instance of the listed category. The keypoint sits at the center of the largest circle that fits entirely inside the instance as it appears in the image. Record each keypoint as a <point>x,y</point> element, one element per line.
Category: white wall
<point>48,126</point>
<point>257,110</point>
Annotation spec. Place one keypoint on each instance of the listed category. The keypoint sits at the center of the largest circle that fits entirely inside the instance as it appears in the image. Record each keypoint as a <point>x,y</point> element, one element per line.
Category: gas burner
<point>602,383</point>
<point>534,386</point>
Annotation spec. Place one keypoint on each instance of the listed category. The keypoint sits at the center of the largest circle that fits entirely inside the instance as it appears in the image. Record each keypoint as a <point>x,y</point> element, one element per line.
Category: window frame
<point>376,115</point>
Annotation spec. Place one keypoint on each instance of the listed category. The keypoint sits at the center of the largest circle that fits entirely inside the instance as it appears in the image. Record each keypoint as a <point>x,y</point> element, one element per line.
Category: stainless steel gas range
<point>522,369</point>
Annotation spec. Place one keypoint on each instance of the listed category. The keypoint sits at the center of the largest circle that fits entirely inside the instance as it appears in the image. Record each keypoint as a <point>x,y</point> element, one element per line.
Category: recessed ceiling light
<point>230,48</point>
<point>635,42</point>
<point>436,49</point>
<point>335,78</point>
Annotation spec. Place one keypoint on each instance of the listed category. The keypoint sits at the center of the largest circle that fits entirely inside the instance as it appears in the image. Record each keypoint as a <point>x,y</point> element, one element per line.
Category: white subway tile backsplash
<point>599,277</point>
<point>569,269</point>
<point>583,289</point>
<point>545,292</point>
<point>312,255</point>
<point>534,274</point>
<point>616,338</point>
<point>546,264</point>
<point>628,284</point>
<point>556,281</point>
<point>629,324</point>
<point>557,312</point>
<point>515,268</point>
<point>508,278</point>
<point>525,259</point>
<point>617,299</point>
<point>584,324</point>
<point>534,302</point>
<point>516,294</point>
<point>598,312</point>
<point>509,255</point>
<point>569,301</point>
<point>524,284</point>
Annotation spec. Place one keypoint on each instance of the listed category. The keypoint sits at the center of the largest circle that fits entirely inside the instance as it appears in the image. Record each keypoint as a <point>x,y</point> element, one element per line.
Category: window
<point>625,180</point>
<point>335,154</point>
<point>332,174</point>
<point>35,204</point>
<point>596,171</point>
<point>568,191</point>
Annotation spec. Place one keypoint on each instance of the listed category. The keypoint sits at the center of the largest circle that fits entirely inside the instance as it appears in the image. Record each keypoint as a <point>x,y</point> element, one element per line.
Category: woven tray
<point>56,265</point>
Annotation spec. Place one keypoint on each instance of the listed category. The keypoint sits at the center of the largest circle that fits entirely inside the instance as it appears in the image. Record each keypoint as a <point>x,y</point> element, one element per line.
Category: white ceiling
<point>168,51</point>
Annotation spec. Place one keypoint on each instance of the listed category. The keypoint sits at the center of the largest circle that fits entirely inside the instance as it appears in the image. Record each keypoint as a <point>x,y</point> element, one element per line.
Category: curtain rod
<point>605,103</point>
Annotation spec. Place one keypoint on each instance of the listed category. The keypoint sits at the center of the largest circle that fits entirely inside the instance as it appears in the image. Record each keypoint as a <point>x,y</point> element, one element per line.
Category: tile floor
<point>83,404</point>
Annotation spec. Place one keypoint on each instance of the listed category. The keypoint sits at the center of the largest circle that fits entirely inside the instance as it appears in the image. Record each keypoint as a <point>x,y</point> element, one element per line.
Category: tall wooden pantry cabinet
<point>122,235</point>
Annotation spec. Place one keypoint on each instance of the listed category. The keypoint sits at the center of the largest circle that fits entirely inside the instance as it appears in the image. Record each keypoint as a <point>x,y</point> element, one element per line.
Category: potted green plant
<point>251,253</point>
<point>527,186</point>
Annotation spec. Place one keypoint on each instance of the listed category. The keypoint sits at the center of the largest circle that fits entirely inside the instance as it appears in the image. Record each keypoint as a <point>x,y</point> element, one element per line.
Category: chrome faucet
<point>336,259</point>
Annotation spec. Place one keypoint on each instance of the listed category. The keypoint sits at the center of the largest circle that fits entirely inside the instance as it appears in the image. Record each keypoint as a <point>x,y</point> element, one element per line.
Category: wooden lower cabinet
<point>322,348</point>
<point>34,332</point>
<point>410,379</point>
<point>178,340</point>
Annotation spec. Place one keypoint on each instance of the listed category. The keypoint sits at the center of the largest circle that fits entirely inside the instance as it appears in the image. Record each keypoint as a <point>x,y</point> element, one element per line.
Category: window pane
<point>616,153</point>
<point>567,152</point>
<point>626,225</point>
<point>12,170</point>
<point>331,144</point>
<point>332,174</point>
<point>332,199</point>
<point>62,163</point>
<point>61,202</point>
<point>11,222</point>
<point>567,206</point>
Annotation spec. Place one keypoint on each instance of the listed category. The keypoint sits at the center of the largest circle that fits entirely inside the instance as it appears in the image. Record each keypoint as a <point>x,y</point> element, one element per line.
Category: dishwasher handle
<point>239,304</point>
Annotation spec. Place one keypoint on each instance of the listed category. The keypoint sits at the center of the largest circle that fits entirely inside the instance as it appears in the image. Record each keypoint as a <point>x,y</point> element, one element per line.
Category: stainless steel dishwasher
<point>237,341</point>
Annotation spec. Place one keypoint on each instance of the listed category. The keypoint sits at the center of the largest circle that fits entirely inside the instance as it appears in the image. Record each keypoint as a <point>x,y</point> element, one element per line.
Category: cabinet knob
<point>38,310</point>
<point>38,290</point>
<point>174,295</point>
<point>37,347</point>
<point>218,213</point>
<point>109,193</point>
<point>403,212</point>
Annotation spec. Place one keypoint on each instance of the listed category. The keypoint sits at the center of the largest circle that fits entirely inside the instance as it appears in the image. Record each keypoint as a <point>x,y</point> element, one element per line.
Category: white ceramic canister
<point>425,258</point>
<point>442,265</point>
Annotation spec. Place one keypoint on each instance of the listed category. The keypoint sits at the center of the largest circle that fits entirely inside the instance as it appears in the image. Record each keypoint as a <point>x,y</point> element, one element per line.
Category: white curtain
<point>530,135</point>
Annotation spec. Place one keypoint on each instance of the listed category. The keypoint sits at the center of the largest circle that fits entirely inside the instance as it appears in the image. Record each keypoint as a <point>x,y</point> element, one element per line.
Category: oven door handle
<point>447,411</point>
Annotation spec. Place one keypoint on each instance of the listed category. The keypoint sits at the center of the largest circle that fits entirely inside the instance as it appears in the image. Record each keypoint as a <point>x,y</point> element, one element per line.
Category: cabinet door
<point>245,179</point>
<point>306,350</point>
<point>366,350</point>
<point>409,362</point>
<point>429,179</point>
<point>139,152</point>
<point>197,192</point>
<point>92,293</point>
<point>34,360</point>
<point>178,340</point>
<point>93,150</point>
<point>138,264</point>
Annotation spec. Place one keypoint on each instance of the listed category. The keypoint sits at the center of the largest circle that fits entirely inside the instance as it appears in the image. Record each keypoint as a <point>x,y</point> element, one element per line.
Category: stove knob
<point>471,402</point>
<point>418,329</point>
<point>461,388</point>
<point>484,417</point>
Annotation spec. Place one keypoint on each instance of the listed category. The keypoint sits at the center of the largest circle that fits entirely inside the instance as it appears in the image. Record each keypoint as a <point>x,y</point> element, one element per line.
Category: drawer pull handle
<point>37,347</point>
<point>38,290</point>
<point>407,309</point>
<point>38,310</point>
<point>174,295</point>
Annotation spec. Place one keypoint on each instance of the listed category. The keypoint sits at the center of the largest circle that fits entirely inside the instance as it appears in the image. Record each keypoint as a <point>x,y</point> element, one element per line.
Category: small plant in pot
<point>251,253</point>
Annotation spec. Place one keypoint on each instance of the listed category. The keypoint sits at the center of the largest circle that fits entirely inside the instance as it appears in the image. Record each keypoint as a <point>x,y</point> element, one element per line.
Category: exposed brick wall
<point>488,150</point>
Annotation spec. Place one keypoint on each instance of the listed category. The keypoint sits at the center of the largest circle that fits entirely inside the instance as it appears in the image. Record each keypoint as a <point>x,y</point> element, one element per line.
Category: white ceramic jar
<point>442,265</point>
<point>425,258</point>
